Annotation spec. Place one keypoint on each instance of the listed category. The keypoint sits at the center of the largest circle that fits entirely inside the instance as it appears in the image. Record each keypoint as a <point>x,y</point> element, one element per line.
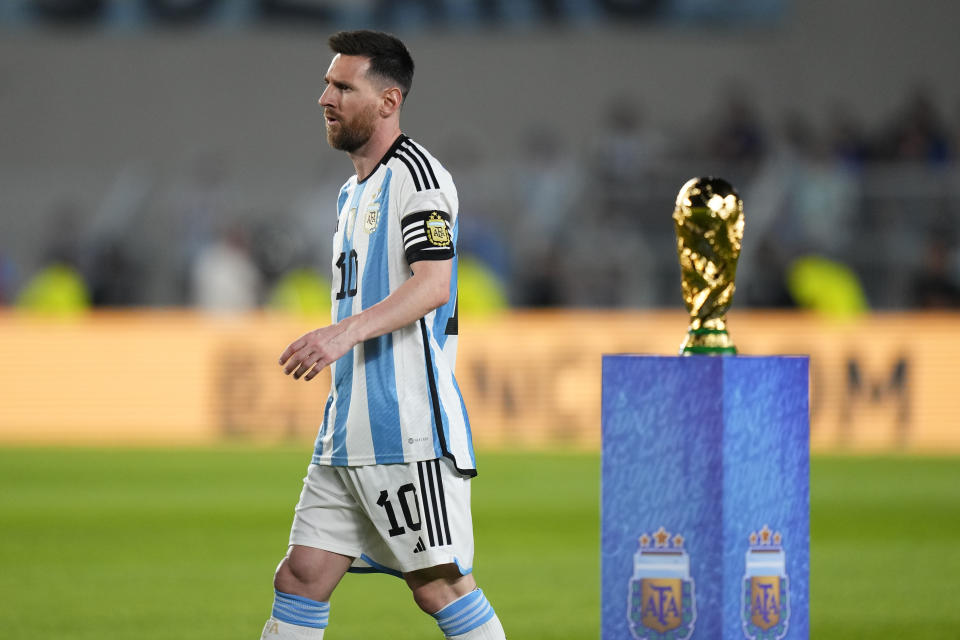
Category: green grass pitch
<point>161,544</point>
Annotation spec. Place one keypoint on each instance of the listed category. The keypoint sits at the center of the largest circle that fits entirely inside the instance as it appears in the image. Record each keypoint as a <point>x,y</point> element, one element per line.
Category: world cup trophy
<point>709,223</point>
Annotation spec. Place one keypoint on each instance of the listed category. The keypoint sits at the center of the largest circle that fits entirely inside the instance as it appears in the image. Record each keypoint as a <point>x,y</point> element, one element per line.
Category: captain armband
<point>427,236</point>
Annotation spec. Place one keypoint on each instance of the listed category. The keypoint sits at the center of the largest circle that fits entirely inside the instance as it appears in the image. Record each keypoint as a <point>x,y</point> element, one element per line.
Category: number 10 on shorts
<point>403,499</point>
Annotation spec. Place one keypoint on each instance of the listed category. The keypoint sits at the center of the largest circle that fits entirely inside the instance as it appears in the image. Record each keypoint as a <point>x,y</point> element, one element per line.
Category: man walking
<point>388,488</point>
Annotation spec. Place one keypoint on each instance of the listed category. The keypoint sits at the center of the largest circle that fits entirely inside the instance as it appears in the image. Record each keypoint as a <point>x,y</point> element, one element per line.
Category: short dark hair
<point>388,56</point>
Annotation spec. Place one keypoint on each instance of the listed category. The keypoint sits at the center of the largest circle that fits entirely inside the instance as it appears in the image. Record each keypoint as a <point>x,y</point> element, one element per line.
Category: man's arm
<point>427,289</point>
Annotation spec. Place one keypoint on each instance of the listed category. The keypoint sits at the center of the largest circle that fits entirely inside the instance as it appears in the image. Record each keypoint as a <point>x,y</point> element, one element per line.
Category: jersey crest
<point>372,217</point>
<point>437,232</point>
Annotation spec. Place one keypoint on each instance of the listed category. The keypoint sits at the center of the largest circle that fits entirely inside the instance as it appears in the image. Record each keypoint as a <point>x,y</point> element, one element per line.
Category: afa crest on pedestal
<point>660,604</point>
<point>765,608</point>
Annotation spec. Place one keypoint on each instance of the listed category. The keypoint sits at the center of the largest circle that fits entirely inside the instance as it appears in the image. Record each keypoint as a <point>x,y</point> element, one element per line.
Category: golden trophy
<point>709,222</point>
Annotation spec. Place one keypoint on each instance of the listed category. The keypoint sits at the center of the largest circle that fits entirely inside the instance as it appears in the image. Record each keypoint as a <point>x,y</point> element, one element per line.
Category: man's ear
<point>390,101</point>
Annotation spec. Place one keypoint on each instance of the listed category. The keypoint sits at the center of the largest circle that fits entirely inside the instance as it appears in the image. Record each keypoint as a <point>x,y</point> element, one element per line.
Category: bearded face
<point>349,134</point>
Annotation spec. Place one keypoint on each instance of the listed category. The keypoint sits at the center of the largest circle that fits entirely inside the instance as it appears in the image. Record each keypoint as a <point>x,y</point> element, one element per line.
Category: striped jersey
<point>394,398</point>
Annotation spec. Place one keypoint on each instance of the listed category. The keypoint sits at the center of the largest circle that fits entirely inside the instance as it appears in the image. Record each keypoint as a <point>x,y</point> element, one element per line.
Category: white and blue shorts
<point>391,518</point>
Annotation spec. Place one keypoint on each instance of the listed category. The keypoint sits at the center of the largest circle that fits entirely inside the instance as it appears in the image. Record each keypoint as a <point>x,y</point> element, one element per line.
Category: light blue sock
<point>300,611</point>
<point>464,614</point>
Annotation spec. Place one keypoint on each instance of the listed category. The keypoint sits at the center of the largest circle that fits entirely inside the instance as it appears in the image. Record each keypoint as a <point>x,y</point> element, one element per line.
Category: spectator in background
<point>549,10</point>
<point>300,12</point>
<point>933,286</point>
<point>918,134</point>
<point>275,248</point>
<point>302,291</point>
<point>8,280</point>
<point>827,287</point>
<point>804,200</point>
<point>821,190</point>
<point>478,237</point>
<point>200,208</point>
<point>626,154</point>
<point>548,188</point>
<point>848,144</point>
<point>488,225</point>
<point>738,136</point>
<point>761,273</point>
<point>766,285</point>
<point>823,204</point>
<point>480,292</point>
<point>955,136</point>
<point>62,244</point>
<point>798,135</point>
<point>224,276</point>
<point>542,284</point>
<point>620,226</point>
<point>115,274</point>
<point>313,222</point>
<point>548,185</point>
<point>389,13</point>
<point>58,288</point>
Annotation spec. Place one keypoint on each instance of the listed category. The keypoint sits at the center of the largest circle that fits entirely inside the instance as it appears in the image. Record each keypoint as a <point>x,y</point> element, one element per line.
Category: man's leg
<point>303,584</point>
<point>460,608</point>
<point>324,538</point>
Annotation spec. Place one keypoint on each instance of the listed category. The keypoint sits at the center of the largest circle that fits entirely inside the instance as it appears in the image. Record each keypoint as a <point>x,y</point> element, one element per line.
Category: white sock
<point>296,618</point>
<point>489,630</point>
<point>280,630</point>
<point>470,617</point>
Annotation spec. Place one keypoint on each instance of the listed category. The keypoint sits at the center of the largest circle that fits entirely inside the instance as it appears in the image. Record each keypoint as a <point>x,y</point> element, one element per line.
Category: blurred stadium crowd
<point>840,215</point>
<point>588,228</point>
<point>387,14</point>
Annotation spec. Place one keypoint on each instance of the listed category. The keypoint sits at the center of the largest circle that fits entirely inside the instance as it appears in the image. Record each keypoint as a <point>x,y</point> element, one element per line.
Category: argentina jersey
<point>394,398</point>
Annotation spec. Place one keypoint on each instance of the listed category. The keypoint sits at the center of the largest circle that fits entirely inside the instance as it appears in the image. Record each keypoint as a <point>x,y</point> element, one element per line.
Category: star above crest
<point>661,535</point>
<point>765,538</point>
<point>661,539</point>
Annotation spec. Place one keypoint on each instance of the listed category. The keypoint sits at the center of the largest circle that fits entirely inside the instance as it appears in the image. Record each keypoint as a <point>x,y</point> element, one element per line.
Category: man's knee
<point>311,573</point>
<point>289,576</point>
<point>431,598</point>
<point>436,587</point>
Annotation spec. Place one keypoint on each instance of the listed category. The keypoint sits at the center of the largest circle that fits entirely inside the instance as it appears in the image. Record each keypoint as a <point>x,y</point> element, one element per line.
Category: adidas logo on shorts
<point>420,546</point>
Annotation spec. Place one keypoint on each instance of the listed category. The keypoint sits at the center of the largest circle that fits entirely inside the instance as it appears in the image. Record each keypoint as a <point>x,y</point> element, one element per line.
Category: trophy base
<point>708,342</point>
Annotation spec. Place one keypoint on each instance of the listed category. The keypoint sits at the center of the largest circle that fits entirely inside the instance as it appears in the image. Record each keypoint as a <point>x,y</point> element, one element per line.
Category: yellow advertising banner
<point>529,379</point>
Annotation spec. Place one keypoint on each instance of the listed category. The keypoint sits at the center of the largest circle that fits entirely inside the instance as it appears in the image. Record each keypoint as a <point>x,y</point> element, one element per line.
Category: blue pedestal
<point>706,498</point>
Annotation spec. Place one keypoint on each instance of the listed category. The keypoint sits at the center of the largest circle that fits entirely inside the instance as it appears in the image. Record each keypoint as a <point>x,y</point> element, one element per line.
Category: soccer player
<point>388,488</point>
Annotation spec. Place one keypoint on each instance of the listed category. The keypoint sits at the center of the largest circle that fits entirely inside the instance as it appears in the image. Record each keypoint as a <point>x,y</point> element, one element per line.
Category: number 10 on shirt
<point>348,274</point>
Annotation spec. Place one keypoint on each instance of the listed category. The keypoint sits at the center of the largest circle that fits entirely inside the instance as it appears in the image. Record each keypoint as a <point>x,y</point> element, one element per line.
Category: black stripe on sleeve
<point>426,501</point>
<point>404,152</point>
<point>408,143</point>
<point>413,173</point>
<point>443,501</point>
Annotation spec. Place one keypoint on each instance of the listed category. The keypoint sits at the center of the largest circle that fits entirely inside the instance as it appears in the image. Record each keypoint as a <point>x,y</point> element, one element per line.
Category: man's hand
<point>312,352</point>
